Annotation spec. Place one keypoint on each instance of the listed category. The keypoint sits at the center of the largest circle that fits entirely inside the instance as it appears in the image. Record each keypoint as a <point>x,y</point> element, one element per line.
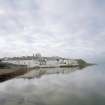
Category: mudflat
<point>6,74</point>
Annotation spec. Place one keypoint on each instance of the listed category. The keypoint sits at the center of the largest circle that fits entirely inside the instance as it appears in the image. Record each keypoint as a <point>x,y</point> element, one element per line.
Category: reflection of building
<point>46,71</point>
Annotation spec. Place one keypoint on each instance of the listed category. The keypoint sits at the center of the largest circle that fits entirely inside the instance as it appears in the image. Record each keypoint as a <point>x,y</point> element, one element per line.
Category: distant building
<point>38,55</point>
<point>38,59</point>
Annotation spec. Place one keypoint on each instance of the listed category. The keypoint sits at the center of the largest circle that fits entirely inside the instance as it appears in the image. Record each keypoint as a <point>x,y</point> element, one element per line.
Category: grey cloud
<point>71,28</point>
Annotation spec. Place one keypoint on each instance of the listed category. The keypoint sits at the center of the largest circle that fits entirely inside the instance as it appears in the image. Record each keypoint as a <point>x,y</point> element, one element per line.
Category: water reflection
<point>82,87</point>
<point>48,71</point>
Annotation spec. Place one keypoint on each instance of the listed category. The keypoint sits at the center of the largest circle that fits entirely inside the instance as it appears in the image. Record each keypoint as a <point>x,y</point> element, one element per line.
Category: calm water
<point>69,87</point>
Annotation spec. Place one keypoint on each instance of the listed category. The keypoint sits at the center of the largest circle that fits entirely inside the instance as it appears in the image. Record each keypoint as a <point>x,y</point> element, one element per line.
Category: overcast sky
<point>69,28</point>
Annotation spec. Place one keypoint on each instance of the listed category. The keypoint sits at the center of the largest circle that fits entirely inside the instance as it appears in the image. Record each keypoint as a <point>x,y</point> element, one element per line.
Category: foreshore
<point>6,74</point>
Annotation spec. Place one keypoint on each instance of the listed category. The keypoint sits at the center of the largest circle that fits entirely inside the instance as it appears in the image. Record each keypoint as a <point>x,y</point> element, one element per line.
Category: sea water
<point>79,87</point>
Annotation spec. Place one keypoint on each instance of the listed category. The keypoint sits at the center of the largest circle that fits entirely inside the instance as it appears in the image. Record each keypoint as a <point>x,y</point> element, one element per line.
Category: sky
<point>68,28</point>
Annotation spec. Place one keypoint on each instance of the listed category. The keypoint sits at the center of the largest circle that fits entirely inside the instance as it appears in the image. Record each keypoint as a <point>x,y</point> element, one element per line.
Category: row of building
<point>37,59</point>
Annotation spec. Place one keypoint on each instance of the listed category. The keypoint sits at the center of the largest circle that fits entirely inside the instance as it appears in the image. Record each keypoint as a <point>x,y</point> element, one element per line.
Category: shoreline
<point>9,73</point>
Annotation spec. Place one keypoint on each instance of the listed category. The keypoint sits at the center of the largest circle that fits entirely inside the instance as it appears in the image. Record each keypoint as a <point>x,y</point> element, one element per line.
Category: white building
<point>38,60</point>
